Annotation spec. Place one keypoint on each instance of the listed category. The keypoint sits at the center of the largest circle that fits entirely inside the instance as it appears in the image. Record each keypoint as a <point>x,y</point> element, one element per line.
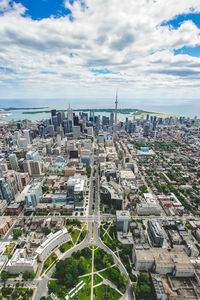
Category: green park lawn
<point>101,292</point>
<point>74,234</point>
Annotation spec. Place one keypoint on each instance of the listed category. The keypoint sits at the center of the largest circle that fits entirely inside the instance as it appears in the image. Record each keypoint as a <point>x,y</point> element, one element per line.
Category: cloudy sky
<point>148,49</point>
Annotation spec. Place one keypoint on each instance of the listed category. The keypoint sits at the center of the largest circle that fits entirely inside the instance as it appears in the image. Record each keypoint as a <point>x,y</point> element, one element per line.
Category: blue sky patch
<point>103,71</point>
<point>178,20</point>
<point>41,9</point>
<point>6,70</point>
<point>48,72</point>
<point>192,51</point>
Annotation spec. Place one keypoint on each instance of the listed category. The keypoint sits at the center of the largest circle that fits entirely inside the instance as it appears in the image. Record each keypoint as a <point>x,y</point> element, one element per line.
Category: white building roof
<point>50,238</point>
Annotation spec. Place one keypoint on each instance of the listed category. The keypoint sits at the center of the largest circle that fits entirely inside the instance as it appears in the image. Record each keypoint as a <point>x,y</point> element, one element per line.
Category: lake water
<point>188,108</point>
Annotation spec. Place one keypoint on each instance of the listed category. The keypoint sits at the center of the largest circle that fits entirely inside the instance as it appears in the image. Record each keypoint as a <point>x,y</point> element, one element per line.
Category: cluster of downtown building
<point>45,168</point>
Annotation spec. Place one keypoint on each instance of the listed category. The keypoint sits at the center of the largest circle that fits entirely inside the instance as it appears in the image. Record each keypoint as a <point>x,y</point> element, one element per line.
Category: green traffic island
<point>125,253</point>
<point>49,262</point>
<point>142,287</point>
<point>10,293</point>
<point>74,222</point>
<point>77,230</point>
<point>65,247</point>
<point>109,237</point>
<point>126,258</point>
<point>106,292</point>
<point>75,235</point>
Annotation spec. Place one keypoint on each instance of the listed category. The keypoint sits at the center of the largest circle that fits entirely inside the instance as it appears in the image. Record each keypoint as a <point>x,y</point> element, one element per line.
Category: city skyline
<point>85,50</point>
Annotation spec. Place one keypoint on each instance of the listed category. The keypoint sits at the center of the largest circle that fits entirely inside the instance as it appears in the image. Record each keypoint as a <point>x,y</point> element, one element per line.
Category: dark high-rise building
<point>5,191</point>
<point>59,115</point>
<point>53,112</point>
<point>55,122</point>
<point>41,131</point>
<point>105,120</point>
<point>76,121</point>
<point>111,118</point>
<point>65,125</point>
<point>146,129</point>
<point>19,126</point>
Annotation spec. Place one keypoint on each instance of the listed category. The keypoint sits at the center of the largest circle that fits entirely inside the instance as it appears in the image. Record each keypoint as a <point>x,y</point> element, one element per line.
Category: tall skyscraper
<point>13,162</point>
<point>5,191</point>
<point>111,118</point>
<point>116,103</point>
<point>53,112</point>
<point>27,135</point>
<point>69,114</point>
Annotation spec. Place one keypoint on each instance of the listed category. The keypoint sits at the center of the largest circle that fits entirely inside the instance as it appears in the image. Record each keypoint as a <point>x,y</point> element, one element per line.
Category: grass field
<point>75,233</point>
<point>103,292</point>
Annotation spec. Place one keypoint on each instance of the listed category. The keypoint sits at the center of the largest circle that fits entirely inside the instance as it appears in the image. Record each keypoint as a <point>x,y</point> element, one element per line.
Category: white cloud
<point>54,57</point>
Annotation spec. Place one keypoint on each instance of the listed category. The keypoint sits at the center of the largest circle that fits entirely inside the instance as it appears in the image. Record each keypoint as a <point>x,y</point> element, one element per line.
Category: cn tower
<point>116,103</point>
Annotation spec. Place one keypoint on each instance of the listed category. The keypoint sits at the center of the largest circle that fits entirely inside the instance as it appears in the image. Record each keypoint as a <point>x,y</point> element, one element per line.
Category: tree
<point>145,290</point>
<point>26,275</point>
<point>47,231</point>
<point>43,298</point>
<point>67,266</point>
<point>143,278</point>
<point>68,280</point>
<point>88,170</point>
<point>6,291</point>
<point>86,252</point>
<point>81,266</point>
<point>16,234</point>
<point>4,275</point>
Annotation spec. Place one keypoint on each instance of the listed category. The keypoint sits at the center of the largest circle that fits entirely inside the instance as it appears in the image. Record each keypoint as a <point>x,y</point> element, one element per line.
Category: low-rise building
<point>53,241</point>
<point>20,263</point>
<point>148,206</point>
<point>14,209</point>
<point>162,261</point>
<point>158,287</point>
